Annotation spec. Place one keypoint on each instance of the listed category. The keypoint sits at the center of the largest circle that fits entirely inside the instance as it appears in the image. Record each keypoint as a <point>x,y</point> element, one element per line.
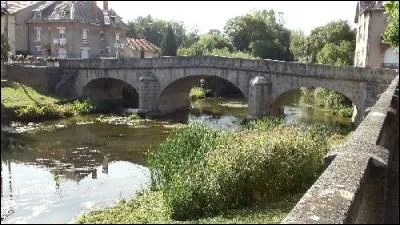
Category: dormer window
<point>84,35</point>
<point>38,14</point>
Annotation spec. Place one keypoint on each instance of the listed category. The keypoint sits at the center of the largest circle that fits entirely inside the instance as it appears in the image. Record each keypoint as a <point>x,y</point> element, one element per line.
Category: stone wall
<point>360,183</point>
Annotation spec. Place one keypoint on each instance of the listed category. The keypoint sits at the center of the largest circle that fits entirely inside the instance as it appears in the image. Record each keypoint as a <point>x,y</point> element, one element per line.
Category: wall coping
<point>332,197</point>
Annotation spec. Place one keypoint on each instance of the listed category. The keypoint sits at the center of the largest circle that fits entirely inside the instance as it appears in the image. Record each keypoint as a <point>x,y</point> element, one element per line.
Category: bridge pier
<point>149,89</point>
<point>260,91</point>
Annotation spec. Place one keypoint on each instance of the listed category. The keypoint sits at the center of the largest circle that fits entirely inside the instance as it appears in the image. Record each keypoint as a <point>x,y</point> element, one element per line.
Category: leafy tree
<point>338,55</point>
<point>153,30</point>
<point>258,32</point>
<point>168,44</point>
<point>5,47</point>
<point>391,35</point>
<point>207,43</point>
<point>338,33</point>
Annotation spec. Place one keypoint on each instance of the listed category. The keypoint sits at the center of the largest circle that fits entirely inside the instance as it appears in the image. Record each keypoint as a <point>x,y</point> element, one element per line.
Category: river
<point>79,164</point>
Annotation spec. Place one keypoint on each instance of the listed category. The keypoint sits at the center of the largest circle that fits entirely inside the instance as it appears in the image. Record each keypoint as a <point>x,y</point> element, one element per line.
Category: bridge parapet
<point>256,65</point>
<point>360,183</point>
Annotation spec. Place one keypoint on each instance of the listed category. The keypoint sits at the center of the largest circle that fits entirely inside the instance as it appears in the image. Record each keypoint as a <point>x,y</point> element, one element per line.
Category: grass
<point>150,207</point>
<point>202,175</point>
<point>15,95</point>
<point>29,105</point>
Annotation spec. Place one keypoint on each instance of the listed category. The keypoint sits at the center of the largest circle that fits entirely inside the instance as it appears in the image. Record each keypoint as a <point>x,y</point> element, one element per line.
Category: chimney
<point>105,5</point>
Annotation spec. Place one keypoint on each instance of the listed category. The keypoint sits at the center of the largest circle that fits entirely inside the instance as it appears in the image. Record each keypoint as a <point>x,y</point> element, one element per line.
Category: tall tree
<point>259,33</point>
<point>391,35</point>
<point>338,33</point>
<point>168,44</point>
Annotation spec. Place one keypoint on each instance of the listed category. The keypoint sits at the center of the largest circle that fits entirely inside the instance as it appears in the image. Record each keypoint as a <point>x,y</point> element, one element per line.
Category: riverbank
<point>222,179</point>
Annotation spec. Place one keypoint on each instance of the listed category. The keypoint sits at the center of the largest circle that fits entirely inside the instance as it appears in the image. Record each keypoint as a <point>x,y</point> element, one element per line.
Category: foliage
<point>153,29</point>
<point>168,44</point>
<point>259,33</point>
<point>224,171</point>
<point>391,34</point>
<point>197,93</point>
<point>135,116</point>
<point>206,44</point>
<point>84,107</point>
<point>327,99</point>
<point>337,35</point>
<point>150,207</point>
<point>5,47</point>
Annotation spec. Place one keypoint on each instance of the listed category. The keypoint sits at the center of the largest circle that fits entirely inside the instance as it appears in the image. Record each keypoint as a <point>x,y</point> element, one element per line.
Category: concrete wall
<point>360,183</point>
<point>130,53</point>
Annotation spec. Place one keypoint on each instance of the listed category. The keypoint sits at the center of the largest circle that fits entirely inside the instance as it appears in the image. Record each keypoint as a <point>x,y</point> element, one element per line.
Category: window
<point>101,51</point>
<point>117,37</point>
<point>38,33</point>
<point>38,50</point>
<point>101,35</point>
<point>108,50</point>
<point>84,35</point>
<point>61,33</point>
<point>38,14</point>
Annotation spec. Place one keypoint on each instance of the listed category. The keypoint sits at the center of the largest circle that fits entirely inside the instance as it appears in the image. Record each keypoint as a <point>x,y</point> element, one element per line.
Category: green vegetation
<point>135,116</point>
<point>328,100</point>
<point>202,175</point>
<point>391,35</point>
<point>168,44</point>
<point>333,43</point>
<point>196,93</point>
<point>30,105</point>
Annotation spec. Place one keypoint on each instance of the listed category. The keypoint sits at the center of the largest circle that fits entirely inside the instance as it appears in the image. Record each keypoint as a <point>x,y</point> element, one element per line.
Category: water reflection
<point>52,176</point>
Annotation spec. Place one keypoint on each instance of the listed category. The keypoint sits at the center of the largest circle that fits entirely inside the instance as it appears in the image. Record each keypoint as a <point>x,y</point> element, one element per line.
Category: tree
<point>168,44</point>
<point>5,47</point>
<point>207,44</point>
<point>391,35</point>
<point>307,49</point>
<point>258,32</point>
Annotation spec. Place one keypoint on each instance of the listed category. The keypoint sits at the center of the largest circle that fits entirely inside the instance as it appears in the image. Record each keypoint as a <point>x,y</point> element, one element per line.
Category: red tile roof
<point>141,45</point>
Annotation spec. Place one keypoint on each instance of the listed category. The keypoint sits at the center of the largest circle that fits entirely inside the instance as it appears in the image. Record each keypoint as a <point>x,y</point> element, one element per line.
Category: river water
<point>78,164</point>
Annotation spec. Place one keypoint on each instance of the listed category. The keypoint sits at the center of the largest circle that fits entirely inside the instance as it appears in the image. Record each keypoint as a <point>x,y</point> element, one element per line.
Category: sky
<point>206,15</point>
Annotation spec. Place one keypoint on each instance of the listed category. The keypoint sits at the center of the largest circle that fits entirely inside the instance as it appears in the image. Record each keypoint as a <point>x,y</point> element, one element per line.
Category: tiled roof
<point>141,45</point>
<point>15,6</point>
<point>81,11</point>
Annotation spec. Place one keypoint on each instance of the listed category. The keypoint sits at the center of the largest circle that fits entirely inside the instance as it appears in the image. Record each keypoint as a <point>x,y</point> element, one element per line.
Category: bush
<point>84,107</point>
<point>196,93</point>
<point>203,172</point>
<point>28,113</point>
<point>135,116</point>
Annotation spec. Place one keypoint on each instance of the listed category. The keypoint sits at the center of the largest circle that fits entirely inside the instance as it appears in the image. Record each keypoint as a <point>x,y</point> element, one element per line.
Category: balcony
<point>390,65</point>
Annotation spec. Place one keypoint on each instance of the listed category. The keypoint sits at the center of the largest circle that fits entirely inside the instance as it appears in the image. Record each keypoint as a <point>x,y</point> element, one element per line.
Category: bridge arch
<point>119,91</point>
<point>279,95</point>
<point>175,95</point>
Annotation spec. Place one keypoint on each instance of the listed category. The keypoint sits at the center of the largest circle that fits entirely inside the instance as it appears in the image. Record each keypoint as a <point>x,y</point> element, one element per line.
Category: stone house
<point>17,13</point>
<point>140,48</point>
<point>76,29</point>
<point>371,24</point>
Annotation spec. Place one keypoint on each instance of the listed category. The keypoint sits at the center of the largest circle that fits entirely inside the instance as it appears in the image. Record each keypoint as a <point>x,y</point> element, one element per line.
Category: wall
<point>376,28</point>
<point>39,78</point>
<point>360,183</point>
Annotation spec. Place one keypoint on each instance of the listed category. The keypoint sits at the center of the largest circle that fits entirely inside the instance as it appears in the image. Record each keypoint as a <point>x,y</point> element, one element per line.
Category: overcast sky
<point>206,15</point>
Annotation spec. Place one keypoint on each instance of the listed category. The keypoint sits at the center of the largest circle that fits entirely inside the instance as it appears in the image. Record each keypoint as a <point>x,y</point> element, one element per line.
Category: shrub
<point>84,107</point>
<point>30,112</point>
<point>196,93</point>
<point>203,172</point>
<point>135,116</point>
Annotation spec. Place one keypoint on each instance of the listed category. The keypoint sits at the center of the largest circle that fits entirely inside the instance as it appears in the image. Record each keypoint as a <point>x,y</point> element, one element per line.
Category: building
<point>76,29</point>
<point>17,13</point>
<point>140,48</point>
<point>371,24</point>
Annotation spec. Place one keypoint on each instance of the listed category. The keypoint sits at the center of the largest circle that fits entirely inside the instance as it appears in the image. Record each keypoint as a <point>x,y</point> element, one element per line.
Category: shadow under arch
<point>292,97</point>
<point>111,89</point>
<point>175,96</point>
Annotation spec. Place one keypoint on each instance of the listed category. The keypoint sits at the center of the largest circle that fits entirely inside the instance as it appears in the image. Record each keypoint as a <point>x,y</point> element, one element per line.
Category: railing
<point>33,63</point>
<point>390,65</point>
<point>360,183</point>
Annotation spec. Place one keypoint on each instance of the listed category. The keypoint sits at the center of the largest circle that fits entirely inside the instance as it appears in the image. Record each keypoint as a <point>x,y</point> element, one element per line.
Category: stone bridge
<point>162,85</point>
